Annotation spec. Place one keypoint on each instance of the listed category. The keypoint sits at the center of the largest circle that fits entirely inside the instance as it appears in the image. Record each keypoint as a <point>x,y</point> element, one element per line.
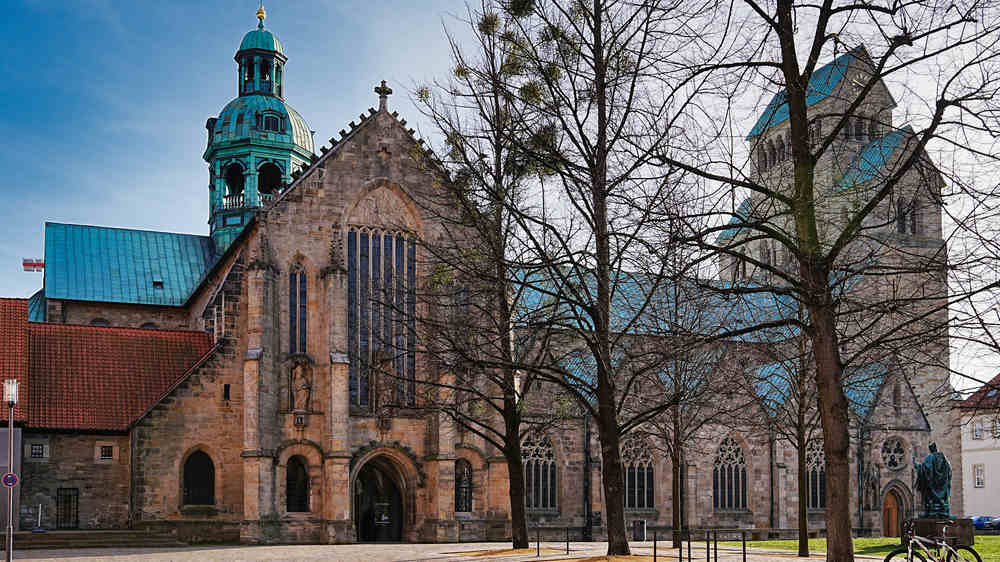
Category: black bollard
<point>538,542</point>
<point>567,541</point>
<point>708,546</point>
<point>715,536</point>
<point>743,535</point>
<point>654,546</point>
<point>689,547</point>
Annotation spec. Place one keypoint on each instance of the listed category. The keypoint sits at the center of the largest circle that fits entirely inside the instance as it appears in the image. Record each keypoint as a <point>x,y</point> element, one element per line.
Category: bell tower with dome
<point>257,140</point>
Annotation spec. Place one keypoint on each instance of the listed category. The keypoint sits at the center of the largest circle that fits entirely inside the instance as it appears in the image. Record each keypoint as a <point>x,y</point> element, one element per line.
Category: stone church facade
<point>214,386</point>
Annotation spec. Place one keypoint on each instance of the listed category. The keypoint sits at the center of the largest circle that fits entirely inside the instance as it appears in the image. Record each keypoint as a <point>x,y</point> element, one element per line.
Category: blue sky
<point>105,101</point>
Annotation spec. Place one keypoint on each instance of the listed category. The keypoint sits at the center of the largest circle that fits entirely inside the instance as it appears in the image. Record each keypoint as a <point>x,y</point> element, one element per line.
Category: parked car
<point>992,524</point>
<point>980,521</point>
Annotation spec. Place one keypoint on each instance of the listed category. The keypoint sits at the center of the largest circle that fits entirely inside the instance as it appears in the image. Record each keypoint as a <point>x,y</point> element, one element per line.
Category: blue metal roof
<point>93,263</point>
<point>821,85</point>
<point>872,159</point>
<point>36,307</point>
<point>639,306</point>
<point>262,39</point>
<point>861,385</point>
<point>739,218</point>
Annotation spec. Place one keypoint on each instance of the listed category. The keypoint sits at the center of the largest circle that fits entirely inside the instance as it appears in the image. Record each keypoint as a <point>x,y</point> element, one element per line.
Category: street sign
<point>10,480</point>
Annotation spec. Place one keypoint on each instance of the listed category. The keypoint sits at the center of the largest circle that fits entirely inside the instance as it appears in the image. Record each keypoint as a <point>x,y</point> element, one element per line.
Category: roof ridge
<point>80,327</point>
<point>47,223</point>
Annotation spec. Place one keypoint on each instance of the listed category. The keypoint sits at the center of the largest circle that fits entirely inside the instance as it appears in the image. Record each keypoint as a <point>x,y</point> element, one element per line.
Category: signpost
<point>10,479</point>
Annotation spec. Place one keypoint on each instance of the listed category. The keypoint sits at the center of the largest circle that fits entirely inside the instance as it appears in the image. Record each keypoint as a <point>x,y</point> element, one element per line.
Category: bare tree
<point>588,71</point>
<point>476,303</point>
<point>835,194</point>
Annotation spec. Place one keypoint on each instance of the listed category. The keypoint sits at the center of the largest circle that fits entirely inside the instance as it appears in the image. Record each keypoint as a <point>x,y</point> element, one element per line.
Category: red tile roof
<point>97,378</point>
<point>988,396</point>
<point>14,351</point>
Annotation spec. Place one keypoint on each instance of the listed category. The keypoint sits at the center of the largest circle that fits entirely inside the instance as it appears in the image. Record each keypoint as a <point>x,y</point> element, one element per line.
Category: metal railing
<point>234,201</point>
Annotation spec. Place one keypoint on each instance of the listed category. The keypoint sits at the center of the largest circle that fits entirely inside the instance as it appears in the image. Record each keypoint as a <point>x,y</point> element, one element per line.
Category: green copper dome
<point>261,39</point>
<point>243,118</point>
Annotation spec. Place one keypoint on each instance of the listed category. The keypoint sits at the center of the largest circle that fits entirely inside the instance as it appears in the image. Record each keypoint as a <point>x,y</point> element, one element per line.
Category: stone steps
<point>56,540</point>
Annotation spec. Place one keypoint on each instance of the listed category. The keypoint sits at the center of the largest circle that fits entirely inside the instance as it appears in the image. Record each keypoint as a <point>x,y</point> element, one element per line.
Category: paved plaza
<point>386,553</point>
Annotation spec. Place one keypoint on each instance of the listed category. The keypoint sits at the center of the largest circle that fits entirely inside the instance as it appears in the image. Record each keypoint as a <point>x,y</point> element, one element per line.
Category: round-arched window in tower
<point>234,179</point>
<point>269,179</point>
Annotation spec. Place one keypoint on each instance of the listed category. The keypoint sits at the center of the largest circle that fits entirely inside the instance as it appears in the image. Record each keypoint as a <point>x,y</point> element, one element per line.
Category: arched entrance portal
<point>378,502</point>
<point>891,507</point>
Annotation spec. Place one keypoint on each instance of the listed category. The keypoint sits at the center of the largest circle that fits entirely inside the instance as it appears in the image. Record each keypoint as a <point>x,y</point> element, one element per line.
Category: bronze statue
<point>934,483</point>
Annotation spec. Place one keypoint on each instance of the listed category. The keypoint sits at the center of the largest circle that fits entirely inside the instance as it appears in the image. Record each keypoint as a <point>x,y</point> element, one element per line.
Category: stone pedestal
<point>961,532</point>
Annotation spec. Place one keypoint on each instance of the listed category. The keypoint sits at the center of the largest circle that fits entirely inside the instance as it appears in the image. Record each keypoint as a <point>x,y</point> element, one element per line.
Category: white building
<point>981,450</point>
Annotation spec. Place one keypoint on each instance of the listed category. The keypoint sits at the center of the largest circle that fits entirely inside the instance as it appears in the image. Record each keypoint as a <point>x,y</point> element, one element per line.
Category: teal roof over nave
<point>102,264</point>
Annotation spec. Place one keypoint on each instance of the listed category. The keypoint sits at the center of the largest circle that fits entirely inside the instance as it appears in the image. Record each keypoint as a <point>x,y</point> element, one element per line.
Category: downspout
<point>587,534</point>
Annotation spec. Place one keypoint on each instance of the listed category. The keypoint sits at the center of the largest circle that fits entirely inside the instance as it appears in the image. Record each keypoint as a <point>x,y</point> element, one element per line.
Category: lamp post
<point>10,396</point>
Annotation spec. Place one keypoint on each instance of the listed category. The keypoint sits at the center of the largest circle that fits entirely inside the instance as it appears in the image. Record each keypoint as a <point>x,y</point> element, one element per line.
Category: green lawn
<point>987,547</point>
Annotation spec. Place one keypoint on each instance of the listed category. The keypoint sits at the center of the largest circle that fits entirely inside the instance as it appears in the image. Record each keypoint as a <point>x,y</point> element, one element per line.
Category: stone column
<point>337,465</point>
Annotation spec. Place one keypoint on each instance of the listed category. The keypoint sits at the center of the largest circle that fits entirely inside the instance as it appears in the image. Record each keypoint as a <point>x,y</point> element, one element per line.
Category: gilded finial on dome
<point>261,15</point>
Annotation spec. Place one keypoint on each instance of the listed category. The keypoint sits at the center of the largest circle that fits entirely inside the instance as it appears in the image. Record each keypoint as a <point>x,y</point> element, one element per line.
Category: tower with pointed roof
<point>257,140</point>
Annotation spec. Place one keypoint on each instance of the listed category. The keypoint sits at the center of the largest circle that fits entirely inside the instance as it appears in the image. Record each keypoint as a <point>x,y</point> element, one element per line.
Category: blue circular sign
<point>10,480</point>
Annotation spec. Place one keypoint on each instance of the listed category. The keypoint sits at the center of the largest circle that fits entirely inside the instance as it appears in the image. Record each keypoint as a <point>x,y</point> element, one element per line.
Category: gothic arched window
<point>815,475</point>
<point>539,473</point>
<point>638,463</point>
<point>893,454</point>
<point>463,485</point>
<point>296,485</point>
<point>199,479</point>
<point>297,310</point>
<point>729,477</point>
<point>381,312</point>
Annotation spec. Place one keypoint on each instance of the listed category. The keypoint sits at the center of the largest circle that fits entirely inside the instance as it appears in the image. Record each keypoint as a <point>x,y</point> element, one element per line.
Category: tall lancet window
<point>539,473</point>
<point>729,477</point>
<point>297,299</point>
<point>638,463</point>
<point>815,475</point>
<point>381,310</point>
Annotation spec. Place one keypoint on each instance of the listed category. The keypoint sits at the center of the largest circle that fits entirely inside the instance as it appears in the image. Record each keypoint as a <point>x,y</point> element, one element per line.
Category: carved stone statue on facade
<point>934,483</point>
<point>301,385</point>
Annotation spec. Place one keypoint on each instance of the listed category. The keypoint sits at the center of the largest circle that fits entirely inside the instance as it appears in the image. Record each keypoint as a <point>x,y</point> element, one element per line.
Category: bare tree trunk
<point>612,478</point>
<point>676,499</point>
<point>836,439</point>
<point>515,475</point>
<point>803,494</point>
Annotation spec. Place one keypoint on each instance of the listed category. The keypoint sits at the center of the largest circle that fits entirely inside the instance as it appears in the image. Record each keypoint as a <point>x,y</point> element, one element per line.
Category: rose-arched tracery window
<point>539,472</point>
<point>638,463</point>
<point>893,454</point>
<point>815,475</point>
<point>729,477</point>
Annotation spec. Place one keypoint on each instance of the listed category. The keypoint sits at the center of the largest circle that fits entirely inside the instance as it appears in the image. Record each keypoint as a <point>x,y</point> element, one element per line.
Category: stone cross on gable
<point>383,92</point>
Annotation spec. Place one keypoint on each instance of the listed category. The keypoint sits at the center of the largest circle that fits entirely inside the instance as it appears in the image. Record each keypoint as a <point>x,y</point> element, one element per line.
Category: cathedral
<point>218,387</point>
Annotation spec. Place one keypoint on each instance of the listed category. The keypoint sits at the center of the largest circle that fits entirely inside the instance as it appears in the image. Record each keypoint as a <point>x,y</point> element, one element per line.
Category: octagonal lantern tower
<point>257,140</point>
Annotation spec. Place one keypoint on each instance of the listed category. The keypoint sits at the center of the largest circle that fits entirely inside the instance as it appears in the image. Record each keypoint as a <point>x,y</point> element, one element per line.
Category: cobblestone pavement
<point>378,553</point>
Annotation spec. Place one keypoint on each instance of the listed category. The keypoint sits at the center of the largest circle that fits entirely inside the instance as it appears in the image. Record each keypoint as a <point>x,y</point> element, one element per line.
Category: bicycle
<point>909,553</point>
